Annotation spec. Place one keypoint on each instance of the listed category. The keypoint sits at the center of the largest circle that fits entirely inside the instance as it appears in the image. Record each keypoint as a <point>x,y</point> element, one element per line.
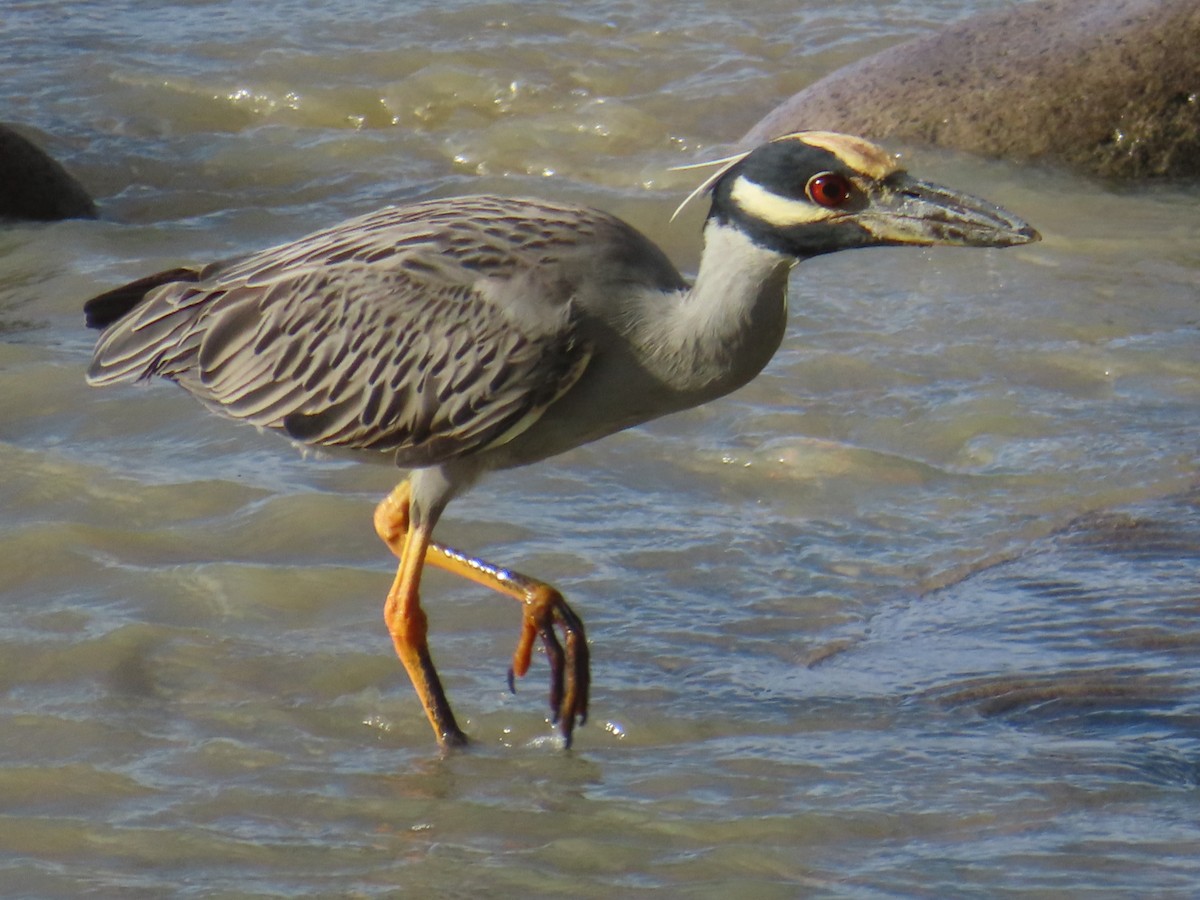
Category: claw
<point>554,656</point>
<point>579,662</point>
<point>546,611</point>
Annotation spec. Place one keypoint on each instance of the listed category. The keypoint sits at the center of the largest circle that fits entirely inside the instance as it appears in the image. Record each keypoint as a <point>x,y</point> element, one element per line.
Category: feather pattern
<point>426,331</point>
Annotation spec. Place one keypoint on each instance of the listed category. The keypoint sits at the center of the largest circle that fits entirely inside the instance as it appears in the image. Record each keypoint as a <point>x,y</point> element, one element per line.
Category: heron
<point>455,337</point>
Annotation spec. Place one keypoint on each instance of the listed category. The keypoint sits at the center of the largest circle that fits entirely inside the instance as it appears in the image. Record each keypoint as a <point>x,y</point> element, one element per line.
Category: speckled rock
<point>1105,87</point>
<point>34,186</point>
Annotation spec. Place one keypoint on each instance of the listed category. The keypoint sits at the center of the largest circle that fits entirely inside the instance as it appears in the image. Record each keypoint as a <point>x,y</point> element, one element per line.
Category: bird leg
<point>543,607</point>
<point>409,628</point>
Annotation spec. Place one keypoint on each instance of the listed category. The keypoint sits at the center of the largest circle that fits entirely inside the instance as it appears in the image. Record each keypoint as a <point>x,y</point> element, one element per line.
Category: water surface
<point>912,614</point>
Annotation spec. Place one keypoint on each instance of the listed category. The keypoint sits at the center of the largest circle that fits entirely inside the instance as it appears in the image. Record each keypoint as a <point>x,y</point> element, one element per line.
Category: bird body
<point>425,288</point>
<point>455,337</point>
<point>436,334</point>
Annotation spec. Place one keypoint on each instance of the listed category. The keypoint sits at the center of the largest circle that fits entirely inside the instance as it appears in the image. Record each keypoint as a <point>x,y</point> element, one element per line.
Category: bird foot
<point>570,671</point>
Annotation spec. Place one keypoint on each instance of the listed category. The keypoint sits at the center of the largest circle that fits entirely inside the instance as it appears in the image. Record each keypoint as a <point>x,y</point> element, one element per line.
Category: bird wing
<point>338,343</point>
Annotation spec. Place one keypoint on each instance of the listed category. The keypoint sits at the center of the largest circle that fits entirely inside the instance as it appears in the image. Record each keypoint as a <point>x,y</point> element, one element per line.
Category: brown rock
<point>1105,87</point>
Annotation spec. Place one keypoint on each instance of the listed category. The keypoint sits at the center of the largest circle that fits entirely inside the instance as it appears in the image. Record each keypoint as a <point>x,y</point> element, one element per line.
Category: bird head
<point>817,192</point>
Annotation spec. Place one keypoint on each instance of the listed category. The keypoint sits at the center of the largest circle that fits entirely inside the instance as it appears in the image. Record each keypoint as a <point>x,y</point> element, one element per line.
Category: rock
<point>34,186</point>
<point>1104,87</point>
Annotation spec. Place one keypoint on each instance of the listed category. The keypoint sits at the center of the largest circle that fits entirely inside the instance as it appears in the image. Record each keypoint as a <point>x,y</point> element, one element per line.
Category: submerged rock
<point>34,186</point>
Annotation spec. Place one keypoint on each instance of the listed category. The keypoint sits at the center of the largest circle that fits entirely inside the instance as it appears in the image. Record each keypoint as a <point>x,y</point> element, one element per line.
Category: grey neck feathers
<point>716,336</point>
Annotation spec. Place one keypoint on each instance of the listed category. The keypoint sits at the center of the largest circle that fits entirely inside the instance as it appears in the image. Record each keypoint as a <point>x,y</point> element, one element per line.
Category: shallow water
<point>912,614</point>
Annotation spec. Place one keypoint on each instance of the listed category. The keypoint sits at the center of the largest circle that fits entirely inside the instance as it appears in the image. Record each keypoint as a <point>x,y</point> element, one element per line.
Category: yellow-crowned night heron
<point>453,337</point>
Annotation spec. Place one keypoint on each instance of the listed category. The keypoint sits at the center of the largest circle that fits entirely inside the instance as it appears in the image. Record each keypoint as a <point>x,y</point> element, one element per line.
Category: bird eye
<point>828,189</point>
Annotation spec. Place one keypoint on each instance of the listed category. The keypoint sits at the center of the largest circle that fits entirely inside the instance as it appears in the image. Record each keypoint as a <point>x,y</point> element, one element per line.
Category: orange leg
<point>544,609</point>
<point>409,628</point>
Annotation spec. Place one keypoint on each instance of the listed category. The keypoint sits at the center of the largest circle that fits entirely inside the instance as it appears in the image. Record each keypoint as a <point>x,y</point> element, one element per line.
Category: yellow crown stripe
<point>860,155</point>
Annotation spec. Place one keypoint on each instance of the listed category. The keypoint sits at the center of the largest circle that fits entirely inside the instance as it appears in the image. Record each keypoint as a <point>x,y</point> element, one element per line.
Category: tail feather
<point>103,310</point>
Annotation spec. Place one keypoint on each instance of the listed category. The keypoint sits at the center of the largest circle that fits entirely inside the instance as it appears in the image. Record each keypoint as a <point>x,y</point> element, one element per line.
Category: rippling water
<point>914,613</point>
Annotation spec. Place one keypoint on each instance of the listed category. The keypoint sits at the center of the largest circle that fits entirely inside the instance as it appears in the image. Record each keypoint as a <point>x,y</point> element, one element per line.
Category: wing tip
<point>113,305</point>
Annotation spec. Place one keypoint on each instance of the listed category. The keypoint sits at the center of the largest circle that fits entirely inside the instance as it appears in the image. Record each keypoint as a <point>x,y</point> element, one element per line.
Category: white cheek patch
<point>780,212</point>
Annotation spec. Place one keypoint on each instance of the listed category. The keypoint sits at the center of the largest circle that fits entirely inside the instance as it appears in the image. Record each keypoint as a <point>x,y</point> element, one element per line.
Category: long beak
<point>908,211</point>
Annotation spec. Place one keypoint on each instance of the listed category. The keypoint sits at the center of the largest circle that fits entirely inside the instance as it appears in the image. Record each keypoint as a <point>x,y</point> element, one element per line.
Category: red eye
<point>828,189</point>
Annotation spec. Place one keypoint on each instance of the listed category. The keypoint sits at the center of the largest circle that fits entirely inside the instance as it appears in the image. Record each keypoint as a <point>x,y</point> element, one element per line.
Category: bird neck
<point>721,332</point>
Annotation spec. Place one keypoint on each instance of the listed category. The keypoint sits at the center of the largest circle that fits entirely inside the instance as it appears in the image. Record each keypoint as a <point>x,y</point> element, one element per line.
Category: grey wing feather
<point>428,360</point>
